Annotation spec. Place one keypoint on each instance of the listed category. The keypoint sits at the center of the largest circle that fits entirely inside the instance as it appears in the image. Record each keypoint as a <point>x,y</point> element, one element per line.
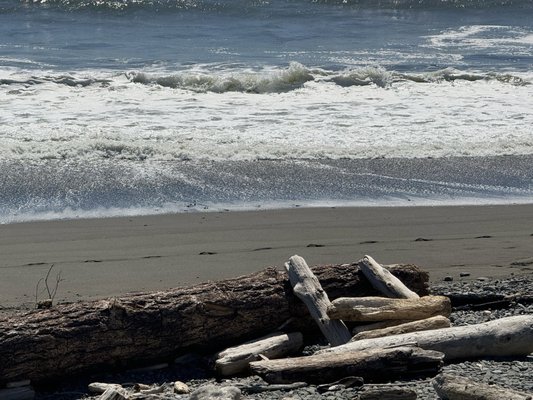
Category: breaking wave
<point>294,77</point>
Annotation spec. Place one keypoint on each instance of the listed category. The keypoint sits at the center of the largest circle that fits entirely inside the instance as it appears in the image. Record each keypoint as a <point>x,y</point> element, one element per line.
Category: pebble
<point>448,278</point>
<point>464,274</point>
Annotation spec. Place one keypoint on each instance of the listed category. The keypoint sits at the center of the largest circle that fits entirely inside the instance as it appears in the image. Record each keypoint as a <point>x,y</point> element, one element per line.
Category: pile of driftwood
<point>399,331</point>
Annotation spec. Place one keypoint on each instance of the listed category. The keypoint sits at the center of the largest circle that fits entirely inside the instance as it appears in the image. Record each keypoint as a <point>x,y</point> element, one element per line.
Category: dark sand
<point>107,257</point>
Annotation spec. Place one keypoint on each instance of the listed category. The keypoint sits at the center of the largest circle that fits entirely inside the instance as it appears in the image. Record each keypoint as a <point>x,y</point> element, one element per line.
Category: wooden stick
<point>456,388</point>
<point>427,324</point>
<point>382,308</point>
<point>383,281</point>
<point>511,336</point>
<point>370,365</point>
<point>307,287</point>
<point>234,360</point>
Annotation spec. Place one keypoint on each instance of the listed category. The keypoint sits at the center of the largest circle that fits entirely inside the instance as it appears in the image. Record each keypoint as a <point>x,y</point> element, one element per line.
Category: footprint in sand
<point>262,248</point>
<point>421,239</point>
<point>207,253</point>
<point>369,242</point>
<point>315,245</point>
<point>483,237</point>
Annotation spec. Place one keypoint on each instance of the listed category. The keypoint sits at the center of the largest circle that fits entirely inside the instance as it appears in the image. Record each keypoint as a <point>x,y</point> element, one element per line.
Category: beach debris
<point>383,308</point>
<point>99,387</point>
<point>427,324</point>
<point>260,388</point>
<point>154,327</point>
<point>234,360</point>
<point>453,387</point>
<point>181,387</point>
<point>383,281</point>
<point>307,288</point>
<point>215,392</point>
<point>448,279</point>
<point>369,365</point>
<point>464,274</point>
<point>510,336</point>
<point>344,383</point>
<point>114,394</point>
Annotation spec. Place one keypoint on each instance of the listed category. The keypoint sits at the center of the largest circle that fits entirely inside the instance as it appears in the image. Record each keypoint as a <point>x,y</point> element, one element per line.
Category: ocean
<point>129,107</point>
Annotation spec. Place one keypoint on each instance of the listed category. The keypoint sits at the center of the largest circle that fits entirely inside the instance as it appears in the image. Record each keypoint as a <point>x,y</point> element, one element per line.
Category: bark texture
<point>144,328</point>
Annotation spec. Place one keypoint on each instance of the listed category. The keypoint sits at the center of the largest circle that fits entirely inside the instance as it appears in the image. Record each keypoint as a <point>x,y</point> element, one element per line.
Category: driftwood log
<point>452,387</point>
<point>383,308</point>
<point>308,289</point>
<point>511,336</point>
<point>236,359</point>
<point>379,325</point>
<point>427,324</point>
<point>384,281</point>
<point>370,365</point>
<point>144,328</point>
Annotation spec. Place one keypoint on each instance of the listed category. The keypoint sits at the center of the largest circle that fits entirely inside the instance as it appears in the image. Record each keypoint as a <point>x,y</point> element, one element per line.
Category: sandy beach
<point>106,257</point>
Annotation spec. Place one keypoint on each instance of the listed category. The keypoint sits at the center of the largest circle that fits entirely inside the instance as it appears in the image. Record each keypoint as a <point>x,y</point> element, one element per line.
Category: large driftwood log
<point>511,336</point>
<point>427,324</point>
<point>452,387</point>
<point>307,287</point>
<point>379,325</point>
<point>234,360</point>
<point>383,308</point>
<point>384,281</point>
<point>370,365</point>
<point>151,327</point>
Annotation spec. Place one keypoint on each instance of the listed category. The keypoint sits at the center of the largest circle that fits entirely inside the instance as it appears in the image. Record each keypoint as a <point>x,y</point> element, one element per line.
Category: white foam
<point>387,117</point>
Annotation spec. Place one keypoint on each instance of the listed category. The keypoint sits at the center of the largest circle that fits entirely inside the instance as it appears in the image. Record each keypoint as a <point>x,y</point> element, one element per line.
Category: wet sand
<point>106,257</point>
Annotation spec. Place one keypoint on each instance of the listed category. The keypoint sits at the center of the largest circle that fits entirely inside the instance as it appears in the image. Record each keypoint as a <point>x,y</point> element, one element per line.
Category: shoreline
<point>111,256</point>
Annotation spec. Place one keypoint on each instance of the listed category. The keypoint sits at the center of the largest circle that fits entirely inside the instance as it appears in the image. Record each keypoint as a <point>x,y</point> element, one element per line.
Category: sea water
<point>122,107</point>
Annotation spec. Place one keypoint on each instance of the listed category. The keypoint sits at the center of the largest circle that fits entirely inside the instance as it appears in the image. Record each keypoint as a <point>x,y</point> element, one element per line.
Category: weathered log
<point>258,388</point>
<point>452,387</point>
<point>511,336</point>
<point>99,387</point>
<point>114,394</point>
<point>384,281</point>
<point>234,360</point>
<point>427,324</point>
<point>383,308</point>
<point>144,328</point>
<point>379,325</point>
<point>307,287</point>
<point>322,368</point>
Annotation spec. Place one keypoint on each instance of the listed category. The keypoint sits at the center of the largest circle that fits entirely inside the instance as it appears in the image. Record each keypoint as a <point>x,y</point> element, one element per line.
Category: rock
<point>391,393</point>
<point>483,279</point>
<point>463,274</point>
<point>181,388</point>
<point>448,278</point>
<point>212,392</point>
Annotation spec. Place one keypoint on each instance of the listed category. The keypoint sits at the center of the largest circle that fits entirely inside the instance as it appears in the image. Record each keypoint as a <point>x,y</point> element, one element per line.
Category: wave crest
<point>294,77</point>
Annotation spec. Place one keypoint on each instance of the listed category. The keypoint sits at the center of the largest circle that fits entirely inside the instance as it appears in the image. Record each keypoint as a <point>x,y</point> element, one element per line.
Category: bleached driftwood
<point>322,368</point>
<point>307,287</point>
<point>456,388</point>
<point>379,325</point>
<point>114,394</point>
<point>383,281</point>
<point>383,308</point>
<point>99,387</point>
<point>234,360</point>
<point>427,324</point>
<point>511,336</point>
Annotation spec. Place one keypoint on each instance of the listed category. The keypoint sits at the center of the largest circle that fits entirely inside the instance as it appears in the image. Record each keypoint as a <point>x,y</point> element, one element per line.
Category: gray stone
<point>212,392</point>
<point>448,278</point>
